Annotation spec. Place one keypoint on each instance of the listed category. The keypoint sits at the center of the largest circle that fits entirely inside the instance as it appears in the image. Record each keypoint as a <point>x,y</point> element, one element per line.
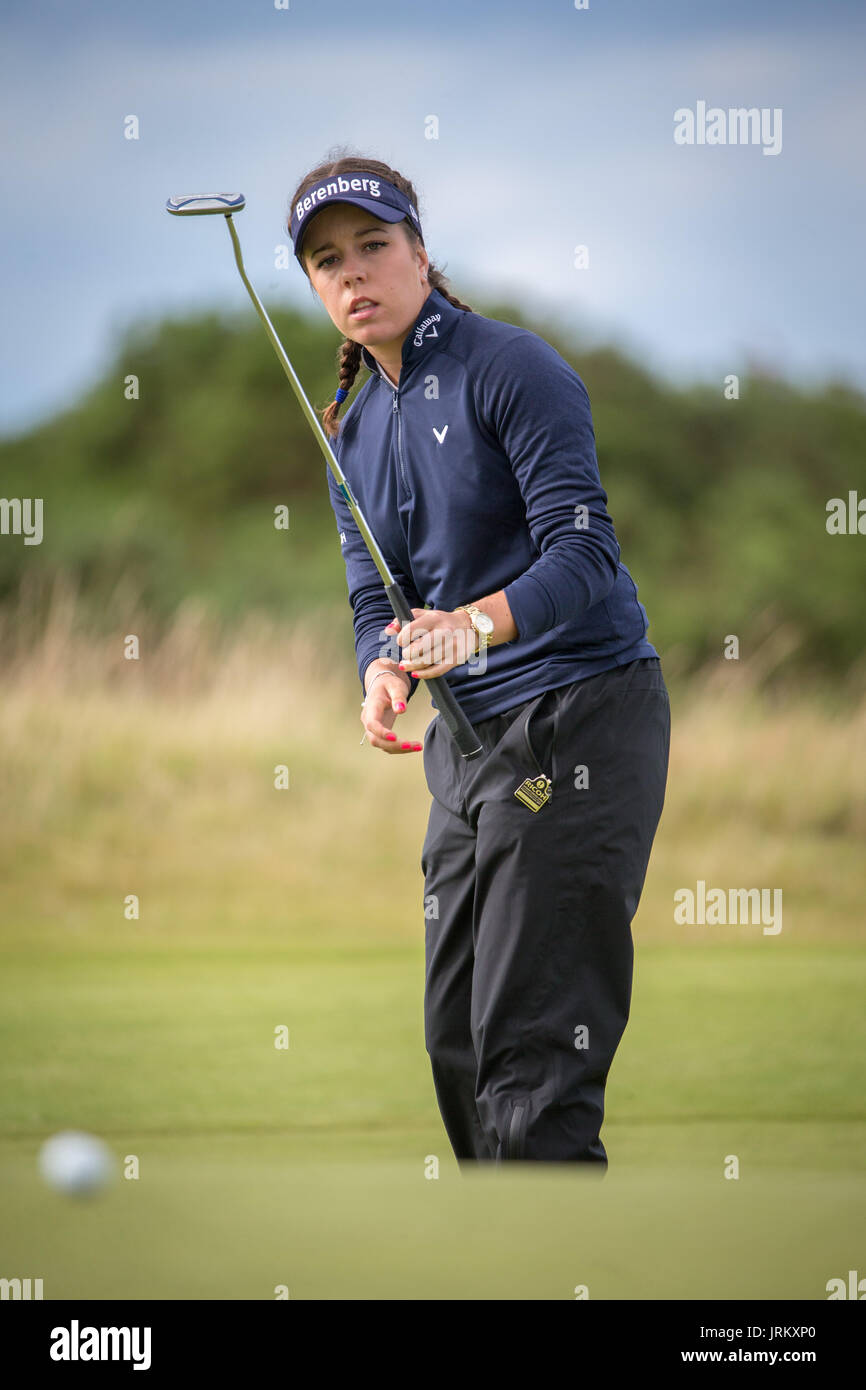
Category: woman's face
<point>350,254</point>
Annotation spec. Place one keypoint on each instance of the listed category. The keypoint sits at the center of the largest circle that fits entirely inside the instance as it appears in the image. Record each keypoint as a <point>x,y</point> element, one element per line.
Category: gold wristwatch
<point>482,623</point>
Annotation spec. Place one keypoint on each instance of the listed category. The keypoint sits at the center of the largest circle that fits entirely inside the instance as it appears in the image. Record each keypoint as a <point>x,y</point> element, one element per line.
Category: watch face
<point>484,622</point>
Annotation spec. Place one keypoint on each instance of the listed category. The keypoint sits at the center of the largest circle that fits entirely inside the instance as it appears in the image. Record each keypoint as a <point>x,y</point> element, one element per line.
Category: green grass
<point>234,1218</point>
<point>304,909</point>
<point>181,1041</point>
<point>306,1166</point>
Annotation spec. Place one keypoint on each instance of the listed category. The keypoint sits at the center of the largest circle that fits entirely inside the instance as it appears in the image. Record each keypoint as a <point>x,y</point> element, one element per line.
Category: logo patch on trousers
<point>534,792</point>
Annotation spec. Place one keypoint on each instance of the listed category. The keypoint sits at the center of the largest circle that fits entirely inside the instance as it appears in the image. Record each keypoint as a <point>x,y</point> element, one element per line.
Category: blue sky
<point>555,130</point>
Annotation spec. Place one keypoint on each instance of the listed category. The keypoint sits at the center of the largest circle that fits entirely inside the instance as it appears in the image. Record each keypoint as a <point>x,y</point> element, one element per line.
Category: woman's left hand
<point>435,641</point>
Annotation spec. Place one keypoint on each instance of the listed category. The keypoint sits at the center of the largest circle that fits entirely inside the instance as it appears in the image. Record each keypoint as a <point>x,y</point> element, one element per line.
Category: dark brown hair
<point>349,353</point>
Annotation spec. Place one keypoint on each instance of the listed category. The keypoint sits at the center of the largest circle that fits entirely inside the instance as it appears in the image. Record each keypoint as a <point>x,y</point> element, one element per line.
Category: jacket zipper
<point>400,444</point>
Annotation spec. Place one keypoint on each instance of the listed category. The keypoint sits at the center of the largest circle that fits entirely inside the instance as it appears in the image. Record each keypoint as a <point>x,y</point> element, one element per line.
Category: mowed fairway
<point>308,1166</point>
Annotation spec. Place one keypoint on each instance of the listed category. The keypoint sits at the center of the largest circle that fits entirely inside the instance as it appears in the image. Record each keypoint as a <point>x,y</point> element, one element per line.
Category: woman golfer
<point>471,452</point>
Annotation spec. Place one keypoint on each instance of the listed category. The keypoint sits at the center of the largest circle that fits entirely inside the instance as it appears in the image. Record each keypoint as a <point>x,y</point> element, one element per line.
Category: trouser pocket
<point>536,791</point>
<point>539,731</point>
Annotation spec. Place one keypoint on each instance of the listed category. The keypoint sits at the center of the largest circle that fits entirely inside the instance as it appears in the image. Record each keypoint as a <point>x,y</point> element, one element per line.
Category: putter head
<point>200,204</point>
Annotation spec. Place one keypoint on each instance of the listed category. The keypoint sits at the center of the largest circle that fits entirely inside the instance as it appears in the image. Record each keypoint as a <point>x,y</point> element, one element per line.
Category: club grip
<point>453,717</point>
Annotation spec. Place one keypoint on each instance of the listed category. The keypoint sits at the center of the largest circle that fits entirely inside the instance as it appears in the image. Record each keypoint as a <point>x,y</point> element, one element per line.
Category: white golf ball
<point>75,1163</point>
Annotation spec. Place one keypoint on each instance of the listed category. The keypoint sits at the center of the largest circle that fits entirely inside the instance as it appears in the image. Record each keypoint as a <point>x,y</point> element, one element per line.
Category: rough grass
<point>156,777</point>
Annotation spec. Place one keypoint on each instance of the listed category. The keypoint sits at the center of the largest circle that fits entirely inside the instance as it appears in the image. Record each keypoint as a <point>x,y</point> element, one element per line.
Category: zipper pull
<point>394,407</point>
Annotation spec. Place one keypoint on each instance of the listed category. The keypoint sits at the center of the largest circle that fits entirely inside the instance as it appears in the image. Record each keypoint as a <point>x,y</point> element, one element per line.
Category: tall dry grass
<point>156,777</point>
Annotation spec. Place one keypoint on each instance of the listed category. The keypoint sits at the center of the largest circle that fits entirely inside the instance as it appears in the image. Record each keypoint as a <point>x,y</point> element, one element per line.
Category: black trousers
<point>528,913</point>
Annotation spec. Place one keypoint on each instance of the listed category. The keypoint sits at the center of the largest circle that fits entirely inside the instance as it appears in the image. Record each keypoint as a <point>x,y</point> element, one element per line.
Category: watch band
<point>483,637</point>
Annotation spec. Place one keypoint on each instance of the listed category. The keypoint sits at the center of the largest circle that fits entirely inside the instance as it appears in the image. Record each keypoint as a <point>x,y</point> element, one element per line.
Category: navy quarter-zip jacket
<point>478,472</point>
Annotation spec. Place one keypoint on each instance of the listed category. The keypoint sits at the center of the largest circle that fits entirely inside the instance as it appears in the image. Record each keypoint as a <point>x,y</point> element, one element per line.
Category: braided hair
<point>349,352</point>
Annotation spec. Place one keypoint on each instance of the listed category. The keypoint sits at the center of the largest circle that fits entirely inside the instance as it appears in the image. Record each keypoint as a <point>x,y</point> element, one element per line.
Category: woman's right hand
<point>385,699</point>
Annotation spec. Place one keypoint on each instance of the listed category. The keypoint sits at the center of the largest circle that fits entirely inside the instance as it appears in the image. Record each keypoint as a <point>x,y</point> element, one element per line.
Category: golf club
<point>204,204</point>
